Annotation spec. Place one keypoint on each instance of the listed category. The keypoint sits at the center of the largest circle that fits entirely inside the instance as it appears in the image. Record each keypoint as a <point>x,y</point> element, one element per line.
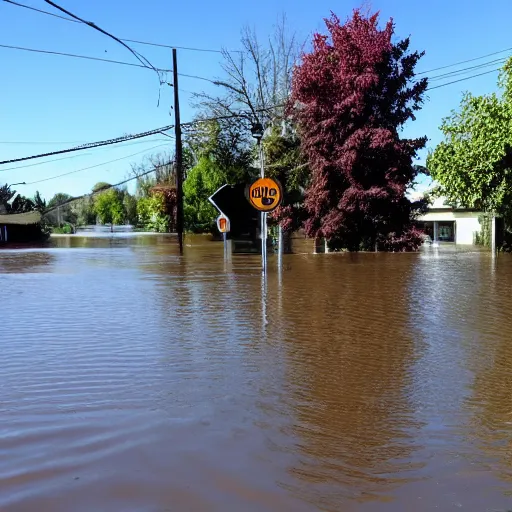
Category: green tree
<point>473,165</point>
<point>61,214</point>
<point>285,162</point>
<point>130,208</point>
<point>100,185</point>
<point>150,213</point>
<point>12,202</point>
<point>83,210</point>
<point>202,181</point>
<point>223,157</point>
<point>108,206</point>
<point>39,202</point>
<point>58,198</point>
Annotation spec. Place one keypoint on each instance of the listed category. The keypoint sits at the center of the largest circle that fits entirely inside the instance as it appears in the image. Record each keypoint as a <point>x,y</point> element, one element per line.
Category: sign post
<point>263,215</point>
<point>224,227</point>
<point>265,194</point>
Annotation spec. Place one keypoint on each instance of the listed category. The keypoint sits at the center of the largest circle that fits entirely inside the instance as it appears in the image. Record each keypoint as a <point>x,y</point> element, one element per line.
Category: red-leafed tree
<point>350,98</point>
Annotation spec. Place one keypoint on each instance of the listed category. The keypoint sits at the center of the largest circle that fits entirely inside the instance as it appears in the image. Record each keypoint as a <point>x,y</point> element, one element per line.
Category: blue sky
<point>50,102</point>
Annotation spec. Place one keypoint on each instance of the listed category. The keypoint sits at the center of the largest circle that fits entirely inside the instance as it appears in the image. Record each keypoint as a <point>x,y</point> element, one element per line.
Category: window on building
<point>446,231</point>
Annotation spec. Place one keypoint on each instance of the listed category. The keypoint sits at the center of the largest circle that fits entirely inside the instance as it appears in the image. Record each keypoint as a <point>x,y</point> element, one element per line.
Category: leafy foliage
<point>474,163</point>
<point>284,161</point>
<point>83,210</point>
<point>39,202</point>
<point>130,208</point>
<point>64,214</point>
<point>150,213</point>
<point>202,181</point>
<point>257,84</point>
<point>223,157</point>
<point>58,198</point>
<point>108,206</point>
<point>164,172</point>
<point>100,185</point>
<point>12,202</point>
<point>226,142</point>
<point>351,96</point>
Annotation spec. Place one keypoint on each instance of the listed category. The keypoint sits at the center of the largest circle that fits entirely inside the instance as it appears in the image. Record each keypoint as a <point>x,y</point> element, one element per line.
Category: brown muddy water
<point>135,380</point>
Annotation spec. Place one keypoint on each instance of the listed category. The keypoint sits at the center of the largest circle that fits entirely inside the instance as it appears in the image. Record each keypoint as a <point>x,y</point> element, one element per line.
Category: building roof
<point>439,203</point>
<point>21,218</point>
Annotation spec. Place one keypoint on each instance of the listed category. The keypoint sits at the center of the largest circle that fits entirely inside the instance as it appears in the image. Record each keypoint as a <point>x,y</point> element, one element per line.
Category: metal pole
<point>493,235</point>
<point>280,248</point>
<point>225,238</point>
<point>179,153</point>
<point>263,217</point>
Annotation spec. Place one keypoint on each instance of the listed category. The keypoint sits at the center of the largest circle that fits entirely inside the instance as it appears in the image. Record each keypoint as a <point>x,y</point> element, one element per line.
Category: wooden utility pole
<point>179,152</point>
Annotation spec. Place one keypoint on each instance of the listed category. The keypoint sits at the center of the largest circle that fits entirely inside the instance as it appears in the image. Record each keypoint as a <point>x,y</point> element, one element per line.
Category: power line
<point>463,62</point>
<point>137,55</point>
<point>126,138</point>
<point>49,52</point>
<point>92,145</point>
<point>457,72</point>
<point>246,114</point>
<point>76,156</point>
<point>41,11</point>
<point>110,61</point>
<point>231,51</point>
<point>42,163</point>
<point>462,79</point>
<point>50,142</point>
<point>77,198</point>
<point>94,166</point>
<point>188,48</point>
<point>39,143</point>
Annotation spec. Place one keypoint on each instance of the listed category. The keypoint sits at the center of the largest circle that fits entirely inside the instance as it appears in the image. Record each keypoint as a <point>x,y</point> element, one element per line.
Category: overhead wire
<point>188,48</point>
<point>92,145</point>
<point>51,142</point>
<point>76,19</point>
<point>77,156</point>
<point>93,166</point>
<point>457,72</point>
<point>220,51</point>
<point>74,55</point>
<point>463,79</point>
<point>39,143</point>
<point>110,61</point>
<point>241,114</point>
<point>245,114</point>
<point>77,198</point>
<point>137,55</point>
<point>463,62</point>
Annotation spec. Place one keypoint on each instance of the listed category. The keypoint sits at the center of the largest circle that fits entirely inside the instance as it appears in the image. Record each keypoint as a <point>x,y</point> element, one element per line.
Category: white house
<point>443,223</point>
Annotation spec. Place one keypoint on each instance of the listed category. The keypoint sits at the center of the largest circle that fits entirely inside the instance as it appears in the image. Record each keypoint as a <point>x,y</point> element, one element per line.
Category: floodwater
<point>135,380</point>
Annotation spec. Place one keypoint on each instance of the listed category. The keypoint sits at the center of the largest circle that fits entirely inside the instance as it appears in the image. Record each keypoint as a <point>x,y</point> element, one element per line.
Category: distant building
<point>444,223</point>
<point>20,227</point>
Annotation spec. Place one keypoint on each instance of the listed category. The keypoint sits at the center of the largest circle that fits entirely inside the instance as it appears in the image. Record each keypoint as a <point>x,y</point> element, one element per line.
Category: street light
<point>13,184</point>
<point>257,131</point>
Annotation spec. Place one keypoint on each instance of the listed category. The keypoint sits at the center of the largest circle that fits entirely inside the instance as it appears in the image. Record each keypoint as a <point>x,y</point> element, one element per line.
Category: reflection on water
<point>134,379</point>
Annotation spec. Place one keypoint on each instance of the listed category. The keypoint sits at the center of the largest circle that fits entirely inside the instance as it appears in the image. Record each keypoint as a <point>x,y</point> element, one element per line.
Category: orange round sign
<point>265,194</point>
